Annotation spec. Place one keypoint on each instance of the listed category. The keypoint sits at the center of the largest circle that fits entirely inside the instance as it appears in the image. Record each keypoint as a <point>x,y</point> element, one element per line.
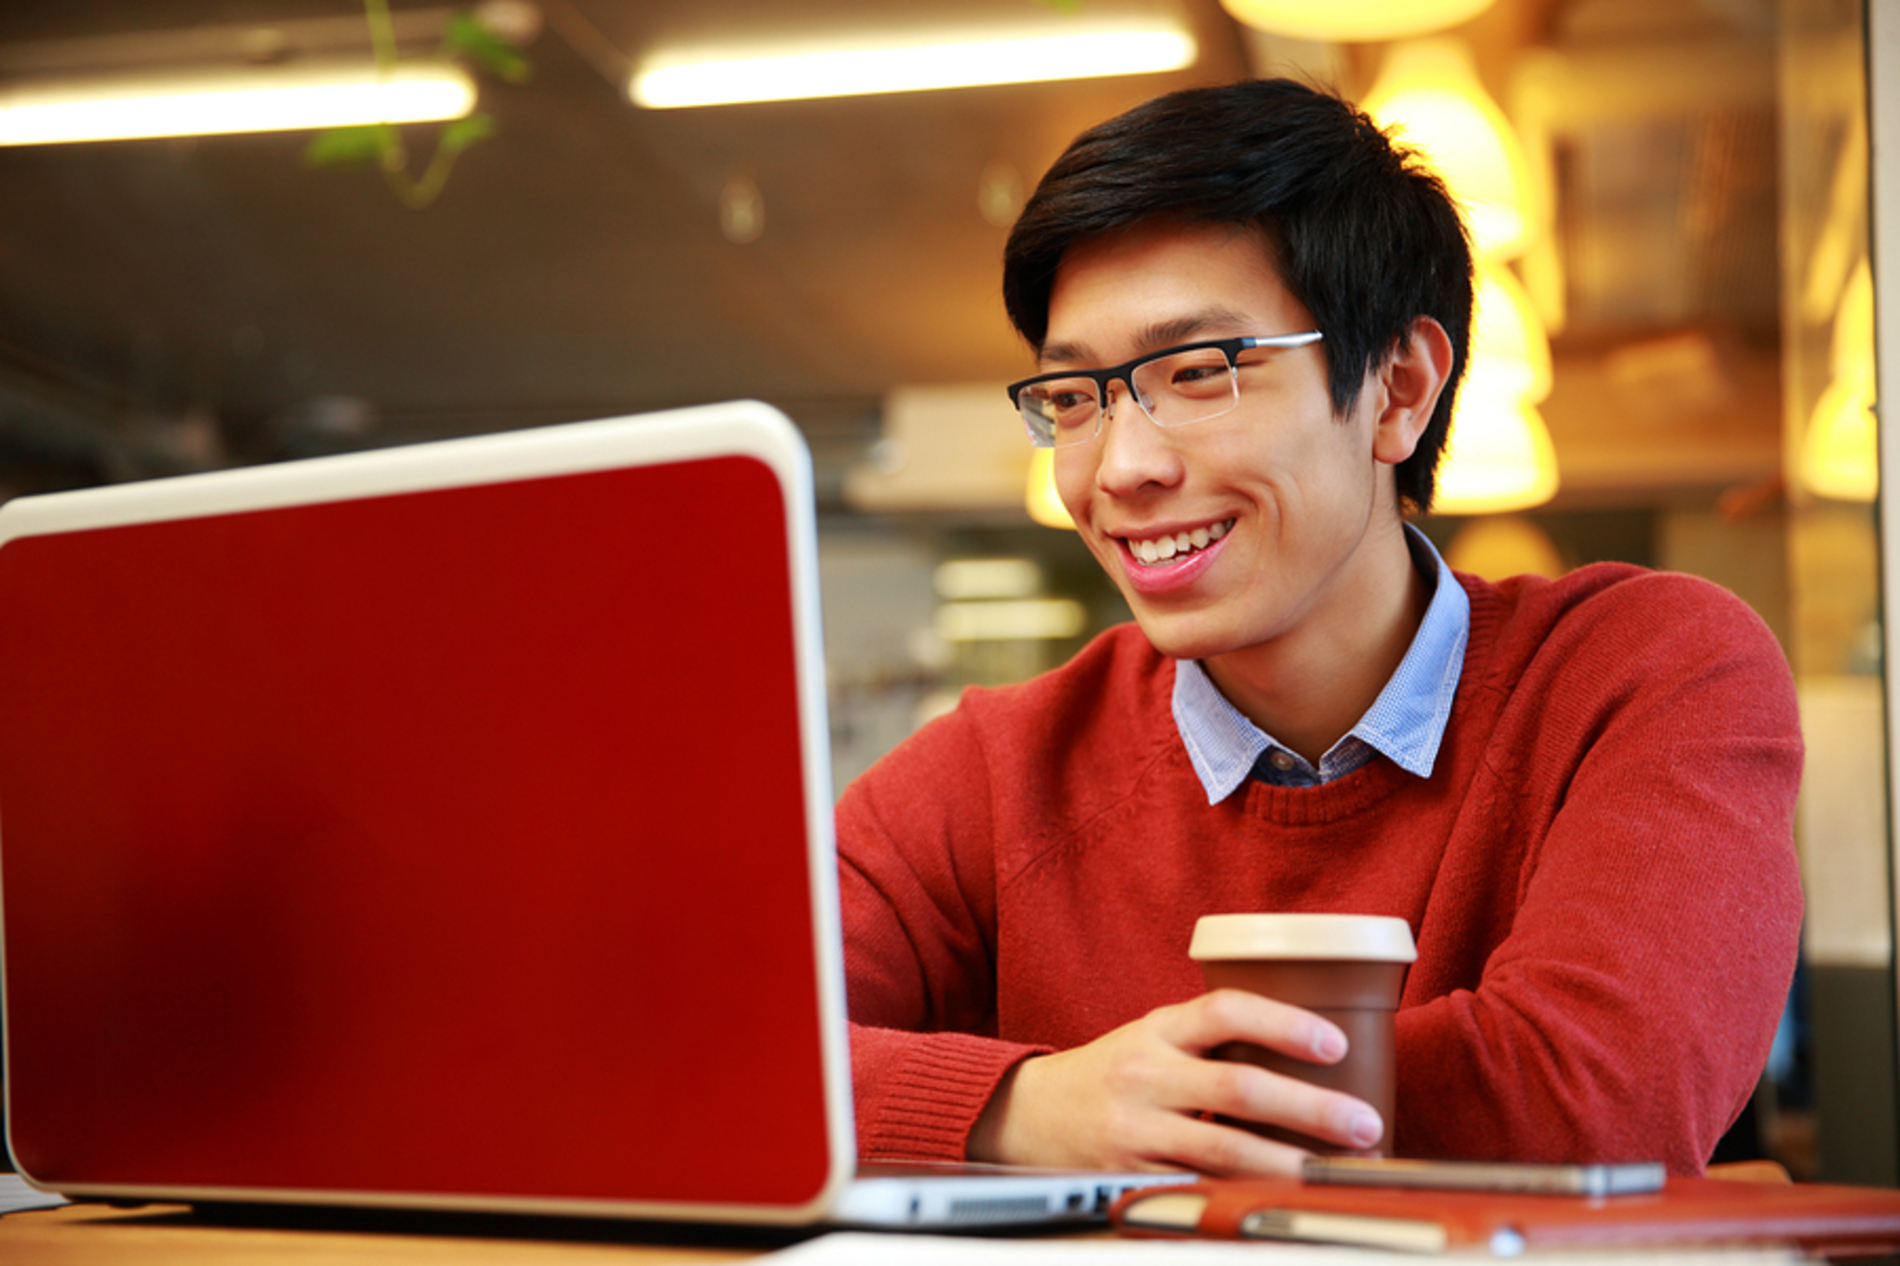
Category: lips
<point>1153,551</point>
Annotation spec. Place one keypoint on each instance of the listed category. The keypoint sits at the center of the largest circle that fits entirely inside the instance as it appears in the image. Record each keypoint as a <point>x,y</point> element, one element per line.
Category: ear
<point>1411,380</point>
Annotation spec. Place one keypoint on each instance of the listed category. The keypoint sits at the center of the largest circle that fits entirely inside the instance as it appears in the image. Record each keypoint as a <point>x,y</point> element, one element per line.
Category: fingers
<point>1225,1151</point>
<point>1249,1093</point>
<point>1232,1015</point>
<point>1136,1114</point>
<point>1142,1096</point>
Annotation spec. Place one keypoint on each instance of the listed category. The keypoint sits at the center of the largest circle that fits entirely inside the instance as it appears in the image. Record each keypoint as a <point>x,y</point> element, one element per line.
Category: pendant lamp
<point>1839,453</point>
<point>1499,456</point>
<point>1355,20</point>
<point>1507,336</point>
<point>1045,504</point>
<point>1428,92</point>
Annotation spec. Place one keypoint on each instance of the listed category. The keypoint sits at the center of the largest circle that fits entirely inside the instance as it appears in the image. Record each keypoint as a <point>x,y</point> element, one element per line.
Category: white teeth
<point>1163,548</point>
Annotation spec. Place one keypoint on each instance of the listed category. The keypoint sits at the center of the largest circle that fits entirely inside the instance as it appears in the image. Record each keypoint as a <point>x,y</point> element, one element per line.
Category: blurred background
<point>1675,363</point>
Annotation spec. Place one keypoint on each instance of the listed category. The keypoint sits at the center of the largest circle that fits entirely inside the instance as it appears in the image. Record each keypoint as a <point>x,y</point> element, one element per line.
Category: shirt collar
<point>1406,722</point>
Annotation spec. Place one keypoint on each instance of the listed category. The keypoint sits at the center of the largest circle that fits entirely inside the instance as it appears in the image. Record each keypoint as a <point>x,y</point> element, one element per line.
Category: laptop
<point>441,827</point>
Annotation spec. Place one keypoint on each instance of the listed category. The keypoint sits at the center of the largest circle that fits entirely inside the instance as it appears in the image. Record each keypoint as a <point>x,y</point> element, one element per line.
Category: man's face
<point>1283,492</point>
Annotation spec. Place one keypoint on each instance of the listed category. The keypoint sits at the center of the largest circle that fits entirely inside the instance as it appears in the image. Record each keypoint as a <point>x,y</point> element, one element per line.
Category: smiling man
<point>1250,313</point>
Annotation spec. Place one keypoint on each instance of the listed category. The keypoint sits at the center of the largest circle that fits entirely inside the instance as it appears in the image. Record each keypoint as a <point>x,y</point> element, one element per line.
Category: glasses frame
<point>1229,347</point>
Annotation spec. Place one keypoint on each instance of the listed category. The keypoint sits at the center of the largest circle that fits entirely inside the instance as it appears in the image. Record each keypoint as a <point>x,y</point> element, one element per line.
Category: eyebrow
<point>1181,329</point>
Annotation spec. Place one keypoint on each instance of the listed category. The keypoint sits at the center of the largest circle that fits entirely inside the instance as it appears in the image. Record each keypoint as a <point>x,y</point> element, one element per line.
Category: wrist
<point>988,1141</point>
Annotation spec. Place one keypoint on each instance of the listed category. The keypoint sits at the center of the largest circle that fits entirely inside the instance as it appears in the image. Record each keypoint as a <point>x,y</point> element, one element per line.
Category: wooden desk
<point>172,1235</point>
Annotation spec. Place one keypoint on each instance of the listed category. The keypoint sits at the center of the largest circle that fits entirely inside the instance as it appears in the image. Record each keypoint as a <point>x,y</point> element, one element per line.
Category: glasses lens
<point>1186,387</point>
<point>1060,411</point>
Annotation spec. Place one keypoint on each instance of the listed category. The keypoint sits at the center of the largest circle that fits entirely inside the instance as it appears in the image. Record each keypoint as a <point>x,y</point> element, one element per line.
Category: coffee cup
<point>1349,968</point>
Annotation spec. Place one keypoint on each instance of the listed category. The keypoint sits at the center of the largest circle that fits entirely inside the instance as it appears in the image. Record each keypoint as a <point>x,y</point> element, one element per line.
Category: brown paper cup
<point>1349,968</point>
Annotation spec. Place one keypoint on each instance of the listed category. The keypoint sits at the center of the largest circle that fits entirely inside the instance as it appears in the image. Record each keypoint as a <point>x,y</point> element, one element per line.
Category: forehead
<point>1160,282</point>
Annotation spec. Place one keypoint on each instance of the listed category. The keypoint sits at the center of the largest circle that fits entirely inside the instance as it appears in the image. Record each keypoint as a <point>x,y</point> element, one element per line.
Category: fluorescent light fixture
<point>959,579</point>
<point>1022,620</point>
<point>223,102</point>
<point>858,66</point>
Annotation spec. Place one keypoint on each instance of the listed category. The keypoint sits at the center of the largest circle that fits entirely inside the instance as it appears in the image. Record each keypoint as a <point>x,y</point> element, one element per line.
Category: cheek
<point>1075,475</point>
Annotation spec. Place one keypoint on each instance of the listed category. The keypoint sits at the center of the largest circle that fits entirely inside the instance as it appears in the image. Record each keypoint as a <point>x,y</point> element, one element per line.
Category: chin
<point>1177,640</point>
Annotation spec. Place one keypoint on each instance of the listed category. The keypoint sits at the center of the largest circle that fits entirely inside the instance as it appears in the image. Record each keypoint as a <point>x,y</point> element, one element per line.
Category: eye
<point>1195,375</point>
<point>1065,406</point>
<point>1065,401</point>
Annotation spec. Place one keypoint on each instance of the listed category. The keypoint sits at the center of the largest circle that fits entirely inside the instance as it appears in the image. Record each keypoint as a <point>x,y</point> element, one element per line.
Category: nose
<point>1134,453</point>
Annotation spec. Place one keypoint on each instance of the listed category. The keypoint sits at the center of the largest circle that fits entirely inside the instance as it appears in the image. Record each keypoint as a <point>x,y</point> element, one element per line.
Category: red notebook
<point>1837,1221</point>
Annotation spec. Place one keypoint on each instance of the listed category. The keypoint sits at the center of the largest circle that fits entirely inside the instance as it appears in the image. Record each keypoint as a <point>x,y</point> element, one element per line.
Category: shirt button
<point>1282,761</point>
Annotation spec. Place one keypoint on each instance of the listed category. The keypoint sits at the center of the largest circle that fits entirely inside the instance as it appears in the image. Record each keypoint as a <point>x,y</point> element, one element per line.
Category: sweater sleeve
<point>1648,801</point>
<point>917,877</point>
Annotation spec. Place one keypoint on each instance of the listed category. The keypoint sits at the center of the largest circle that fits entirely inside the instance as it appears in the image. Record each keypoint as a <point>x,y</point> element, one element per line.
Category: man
<point>1250,313</point>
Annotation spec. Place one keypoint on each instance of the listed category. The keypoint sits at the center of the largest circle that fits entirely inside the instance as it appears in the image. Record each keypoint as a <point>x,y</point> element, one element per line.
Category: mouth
<point>1155,550</point>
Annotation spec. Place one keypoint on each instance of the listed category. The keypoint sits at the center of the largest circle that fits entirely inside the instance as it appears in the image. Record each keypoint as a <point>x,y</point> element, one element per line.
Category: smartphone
<point>1550,1180</point>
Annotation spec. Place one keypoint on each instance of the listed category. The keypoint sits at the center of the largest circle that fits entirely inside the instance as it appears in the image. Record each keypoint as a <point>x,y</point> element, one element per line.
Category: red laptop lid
<point>445,826</point>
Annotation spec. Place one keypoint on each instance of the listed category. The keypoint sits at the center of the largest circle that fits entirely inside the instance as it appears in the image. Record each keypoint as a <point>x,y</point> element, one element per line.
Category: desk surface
<point>164,1235</point>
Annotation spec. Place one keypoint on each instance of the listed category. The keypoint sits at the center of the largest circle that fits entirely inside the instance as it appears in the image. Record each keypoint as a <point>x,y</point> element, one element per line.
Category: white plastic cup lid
<point>1363,937</point>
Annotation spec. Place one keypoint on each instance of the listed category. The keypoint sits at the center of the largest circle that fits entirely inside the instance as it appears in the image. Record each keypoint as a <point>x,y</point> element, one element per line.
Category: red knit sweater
<point>1599,873</point>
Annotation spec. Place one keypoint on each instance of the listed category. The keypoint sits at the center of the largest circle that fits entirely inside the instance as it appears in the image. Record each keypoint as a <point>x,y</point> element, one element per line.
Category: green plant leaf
<point>468,37</point>
<point>462,133</point>
<point>361,146</point>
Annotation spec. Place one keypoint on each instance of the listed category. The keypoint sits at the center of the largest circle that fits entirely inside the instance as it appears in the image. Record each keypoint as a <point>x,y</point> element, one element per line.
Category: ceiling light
<point>1428,92</point>
<point>222,102</point>
<point>961,579</point>
<point>1021,620</point>
<point>863,65</point>
<point>1355,20</point>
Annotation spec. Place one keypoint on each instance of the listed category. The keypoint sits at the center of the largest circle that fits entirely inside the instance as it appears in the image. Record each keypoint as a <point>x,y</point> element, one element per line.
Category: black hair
<point>1359,230</point>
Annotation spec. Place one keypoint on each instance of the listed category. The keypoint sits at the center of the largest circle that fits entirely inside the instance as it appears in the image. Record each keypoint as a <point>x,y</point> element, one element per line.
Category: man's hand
<point>1135,1098</point>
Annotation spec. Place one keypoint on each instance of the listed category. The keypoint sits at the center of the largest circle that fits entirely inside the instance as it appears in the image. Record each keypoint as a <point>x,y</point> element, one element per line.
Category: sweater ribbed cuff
<point>935,1096</point>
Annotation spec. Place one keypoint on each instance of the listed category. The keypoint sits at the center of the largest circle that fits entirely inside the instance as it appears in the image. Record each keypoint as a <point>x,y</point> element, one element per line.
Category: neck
<point>1310,687</point>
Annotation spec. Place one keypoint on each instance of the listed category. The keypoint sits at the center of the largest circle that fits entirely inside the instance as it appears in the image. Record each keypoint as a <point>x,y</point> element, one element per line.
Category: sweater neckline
<point>1334,801</point>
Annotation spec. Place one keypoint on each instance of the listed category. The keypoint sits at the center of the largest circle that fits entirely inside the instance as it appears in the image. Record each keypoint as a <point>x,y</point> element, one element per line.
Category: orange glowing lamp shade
<point>1840,450</point>
<point>1499,456</point>
<point>1355,21</point>
<point>1507,335</point>
<point>1045,504</point>
<point>1839,453</point>
<point>1429,94</point>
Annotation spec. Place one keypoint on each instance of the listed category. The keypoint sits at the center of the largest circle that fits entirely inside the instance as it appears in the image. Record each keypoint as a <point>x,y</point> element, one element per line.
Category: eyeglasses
<point>1174,387</point>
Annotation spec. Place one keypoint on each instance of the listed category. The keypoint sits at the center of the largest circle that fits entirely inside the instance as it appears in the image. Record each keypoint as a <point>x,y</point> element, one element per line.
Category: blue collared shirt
<point>1406,722</point>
